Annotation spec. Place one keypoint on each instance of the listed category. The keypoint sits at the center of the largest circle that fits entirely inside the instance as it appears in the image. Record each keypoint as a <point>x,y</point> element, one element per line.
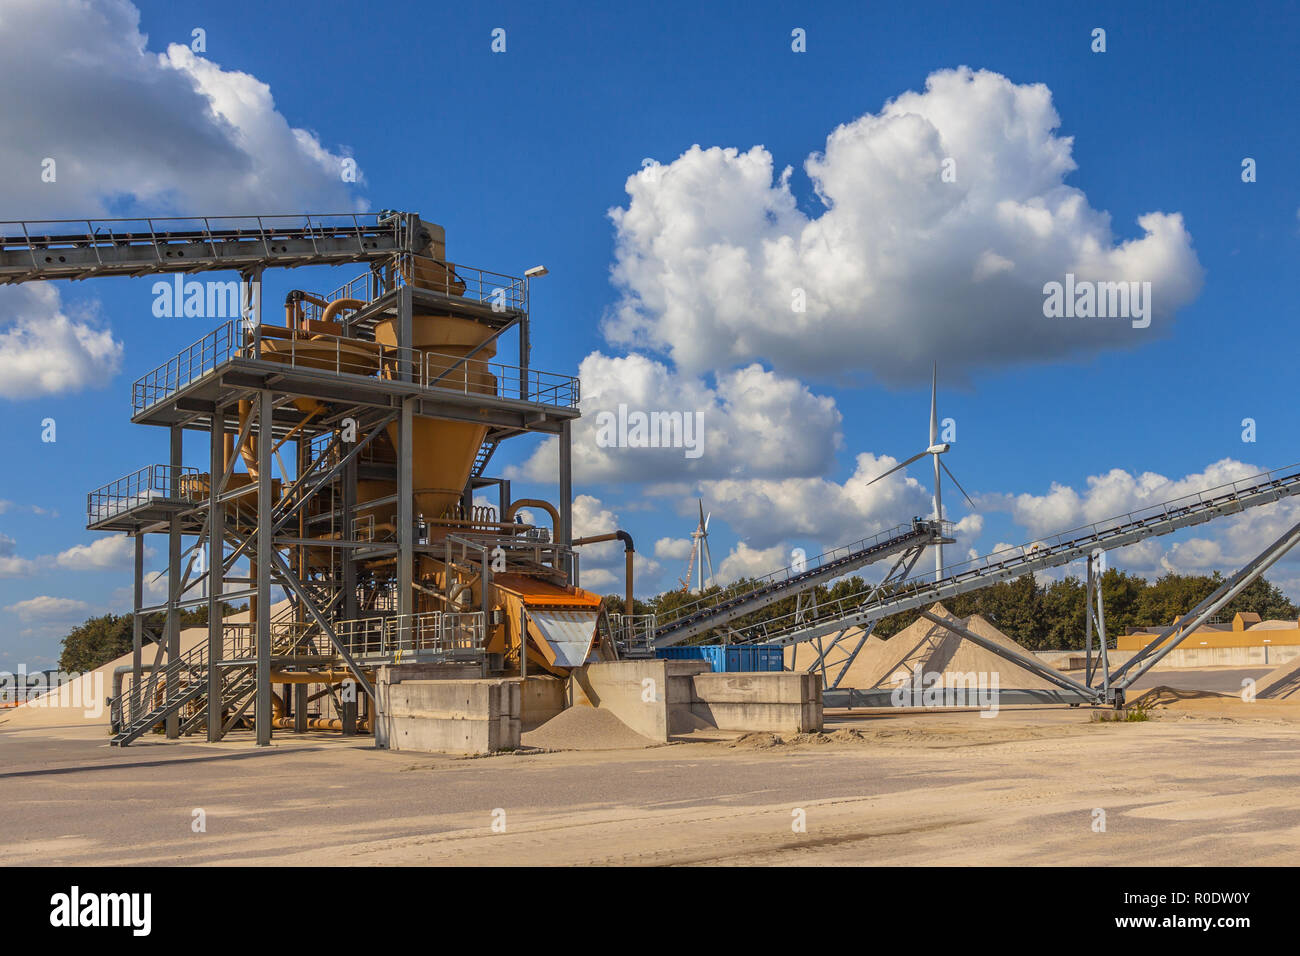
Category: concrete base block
<point>657,698</point>
<point>449,716</point>
<point>778,702</point>
<point>541,698</point>
<point>637,692</point>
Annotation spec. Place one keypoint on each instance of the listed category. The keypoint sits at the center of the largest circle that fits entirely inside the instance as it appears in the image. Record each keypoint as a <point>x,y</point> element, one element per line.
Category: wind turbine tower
<point>935,449</point>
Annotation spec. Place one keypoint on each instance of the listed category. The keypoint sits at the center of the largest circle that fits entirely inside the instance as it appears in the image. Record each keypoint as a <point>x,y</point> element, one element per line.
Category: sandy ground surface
<point>1209,780</point>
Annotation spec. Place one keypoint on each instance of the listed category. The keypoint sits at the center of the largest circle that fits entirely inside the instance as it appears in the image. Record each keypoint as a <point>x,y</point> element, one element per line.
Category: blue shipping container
<point>728,658</point>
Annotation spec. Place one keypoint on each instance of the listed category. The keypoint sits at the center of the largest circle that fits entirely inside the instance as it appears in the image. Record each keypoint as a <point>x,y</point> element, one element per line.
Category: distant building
<point>1246,641</point>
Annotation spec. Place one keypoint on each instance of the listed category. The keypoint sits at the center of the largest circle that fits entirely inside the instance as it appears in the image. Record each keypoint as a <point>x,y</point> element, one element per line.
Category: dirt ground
<point>1207,780</point>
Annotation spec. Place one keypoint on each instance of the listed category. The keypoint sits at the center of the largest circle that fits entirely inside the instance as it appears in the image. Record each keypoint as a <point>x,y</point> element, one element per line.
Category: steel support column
<point>215,569</point>
<point>137,625</point>
<point>349,532</point>
<point>565,530</point>
<point>405,509</point>
<point>173,627</point>
<point>262,705</point>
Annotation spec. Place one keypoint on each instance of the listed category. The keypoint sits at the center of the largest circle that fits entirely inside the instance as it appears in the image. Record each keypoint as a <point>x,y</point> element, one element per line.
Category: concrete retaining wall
<point>449,716</point>
<point>779,702</point>
<point>640,693</point>
<point>657,698</point>
<point>1187,655</point>
<point>541,698</point>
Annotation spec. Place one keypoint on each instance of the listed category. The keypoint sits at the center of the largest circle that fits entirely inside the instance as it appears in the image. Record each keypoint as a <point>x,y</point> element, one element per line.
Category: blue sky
<point>521,155</point>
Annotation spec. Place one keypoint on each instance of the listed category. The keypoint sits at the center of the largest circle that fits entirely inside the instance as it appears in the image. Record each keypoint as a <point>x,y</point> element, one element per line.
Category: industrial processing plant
<point>844,489</point>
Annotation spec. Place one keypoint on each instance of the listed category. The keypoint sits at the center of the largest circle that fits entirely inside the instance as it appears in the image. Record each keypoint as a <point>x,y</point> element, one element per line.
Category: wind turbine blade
<point>701,500</point>
<point>957,483</point>
<point>707,517</point>
<point>709,558</point>
<point>934,411</point>
<point>897,467</point>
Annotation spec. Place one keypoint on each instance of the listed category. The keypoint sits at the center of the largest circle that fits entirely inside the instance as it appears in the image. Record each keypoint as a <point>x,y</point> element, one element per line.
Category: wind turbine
<point>935,449</point>
<point>700,552</point>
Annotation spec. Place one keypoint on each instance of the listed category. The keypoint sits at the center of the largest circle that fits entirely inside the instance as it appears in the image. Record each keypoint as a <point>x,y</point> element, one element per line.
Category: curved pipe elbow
<point>546,506</point>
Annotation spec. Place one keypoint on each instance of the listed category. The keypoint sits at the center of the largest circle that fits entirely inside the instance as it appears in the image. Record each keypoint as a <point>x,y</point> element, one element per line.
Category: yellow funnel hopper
<point>443,451</point>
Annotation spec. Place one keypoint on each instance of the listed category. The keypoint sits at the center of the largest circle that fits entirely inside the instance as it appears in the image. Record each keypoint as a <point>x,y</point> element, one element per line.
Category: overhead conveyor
<point>1060,549</point>
<point>850,619</point>
<point>37,250</point>
<point>748,596</point>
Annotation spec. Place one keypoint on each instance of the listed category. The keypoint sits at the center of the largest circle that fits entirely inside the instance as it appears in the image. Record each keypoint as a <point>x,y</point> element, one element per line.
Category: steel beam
<point>137,626</point>
<point>1181,629</point>
<point>405,509</point>
<point>265,553</point>
<point>215,570</point>
<point>1031,664</point>
<point>565,530</point>
<point>173,627</point>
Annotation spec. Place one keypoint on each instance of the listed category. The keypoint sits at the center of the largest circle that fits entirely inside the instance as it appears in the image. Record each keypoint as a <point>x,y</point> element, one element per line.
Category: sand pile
<point>585,728</point>
<point>932,649</point>
<point>1281,683</point>
<point>800,657</point>
<point>83,701</point>
<point>766,741</point>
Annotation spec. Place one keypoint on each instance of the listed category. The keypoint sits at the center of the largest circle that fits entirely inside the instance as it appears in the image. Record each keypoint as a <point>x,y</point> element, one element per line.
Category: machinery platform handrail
<point>390,636</point>
<point>503,292</point>
<point>152,482</point>
<point>236,339</point>
<point>1053,551</point>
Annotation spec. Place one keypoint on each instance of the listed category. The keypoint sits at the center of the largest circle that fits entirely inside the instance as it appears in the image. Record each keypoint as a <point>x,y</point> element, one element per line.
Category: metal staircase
<point>748,596</point>
<point>484,455</point>
<point>166,690</point>
<point>184,681</point>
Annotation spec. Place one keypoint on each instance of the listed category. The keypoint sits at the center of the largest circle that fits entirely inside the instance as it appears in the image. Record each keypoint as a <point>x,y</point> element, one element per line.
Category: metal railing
<point>223,343</point>
<point>633,633</point>
<point>471,377</point>
<point>348,356</point>
<point>140,487</point>
<point>184,675</point>
<point>448,633</point>
<point>504,293</point>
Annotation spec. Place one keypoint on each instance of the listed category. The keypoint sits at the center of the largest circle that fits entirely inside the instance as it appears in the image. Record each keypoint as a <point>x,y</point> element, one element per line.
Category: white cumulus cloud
<point>752,421</point>
<point>46,607</point>
<point>897,265</point>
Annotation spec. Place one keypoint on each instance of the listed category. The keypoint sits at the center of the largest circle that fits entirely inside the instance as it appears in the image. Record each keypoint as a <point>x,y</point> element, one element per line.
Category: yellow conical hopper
<point>443,451</point>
